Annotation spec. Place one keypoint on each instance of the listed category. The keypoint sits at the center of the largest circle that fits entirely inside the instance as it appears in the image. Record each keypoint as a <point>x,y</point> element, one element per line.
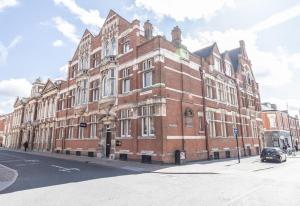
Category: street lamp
<point>235,132</point>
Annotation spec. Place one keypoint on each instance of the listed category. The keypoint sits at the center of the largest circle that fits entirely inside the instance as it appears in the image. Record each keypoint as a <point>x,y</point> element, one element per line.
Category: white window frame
<point>147,70</point>
<point>125,123</point>
<point>147,114</point>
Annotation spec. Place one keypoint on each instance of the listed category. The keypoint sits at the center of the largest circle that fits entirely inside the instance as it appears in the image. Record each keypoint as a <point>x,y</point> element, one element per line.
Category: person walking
<point>25,146</point>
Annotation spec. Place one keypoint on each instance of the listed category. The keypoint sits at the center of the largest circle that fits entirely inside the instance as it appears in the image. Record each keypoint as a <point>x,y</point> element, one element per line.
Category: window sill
<point>147,137</point>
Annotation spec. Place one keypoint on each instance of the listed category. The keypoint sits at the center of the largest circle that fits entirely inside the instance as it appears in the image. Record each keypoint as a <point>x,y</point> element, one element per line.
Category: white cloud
<point>188,9</point>
<point>293,105</point>
<point>58,43</point>
<point>88,17</point>
<point>5,50</point>
<point>15,87</point>
<point>7,3</point>
<point>64,69</point>
<point>267,65</point>
<point>6,105</point>
<point>66,28</point>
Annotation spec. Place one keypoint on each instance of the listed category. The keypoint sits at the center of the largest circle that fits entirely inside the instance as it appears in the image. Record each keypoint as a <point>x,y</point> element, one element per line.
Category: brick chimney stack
<point>176,36</point>
<point>148,28</point>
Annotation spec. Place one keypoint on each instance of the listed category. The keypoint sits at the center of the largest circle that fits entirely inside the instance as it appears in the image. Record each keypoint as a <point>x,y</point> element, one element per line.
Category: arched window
<point>113,46</point>
<point>104,86</point>
<point>249,78</point>
<point>108,83</point>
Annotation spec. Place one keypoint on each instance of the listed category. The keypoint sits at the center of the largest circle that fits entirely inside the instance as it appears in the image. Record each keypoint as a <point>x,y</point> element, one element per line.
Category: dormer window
<point>217,64</point>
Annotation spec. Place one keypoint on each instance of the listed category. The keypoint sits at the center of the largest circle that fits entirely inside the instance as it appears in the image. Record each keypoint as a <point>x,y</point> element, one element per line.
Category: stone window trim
<point>147,117</point>
<point>147,76</point>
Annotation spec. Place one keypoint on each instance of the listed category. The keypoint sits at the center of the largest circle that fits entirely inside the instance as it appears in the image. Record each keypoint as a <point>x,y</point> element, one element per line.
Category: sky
<point>38,38</point>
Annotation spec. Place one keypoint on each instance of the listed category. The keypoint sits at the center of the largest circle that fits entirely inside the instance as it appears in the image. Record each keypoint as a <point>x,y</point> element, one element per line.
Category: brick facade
<point>132,95</point>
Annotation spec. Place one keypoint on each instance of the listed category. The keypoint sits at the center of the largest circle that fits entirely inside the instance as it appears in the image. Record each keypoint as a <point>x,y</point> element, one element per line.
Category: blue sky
<point>37,38</point>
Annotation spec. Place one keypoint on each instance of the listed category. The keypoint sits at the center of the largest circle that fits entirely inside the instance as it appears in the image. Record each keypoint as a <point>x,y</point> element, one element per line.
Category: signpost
<point>235,132</point>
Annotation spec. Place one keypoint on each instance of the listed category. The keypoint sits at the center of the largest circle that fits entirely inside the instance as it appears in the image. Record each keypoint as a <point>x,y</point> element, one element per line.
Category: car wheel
<point>280,159</point>
<point>262,160</point>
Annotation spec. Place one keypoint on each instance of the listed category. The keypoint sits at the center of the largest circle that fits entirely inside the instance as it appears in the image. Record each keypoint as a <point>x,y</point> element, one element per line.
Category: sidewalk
<point>223,166</point>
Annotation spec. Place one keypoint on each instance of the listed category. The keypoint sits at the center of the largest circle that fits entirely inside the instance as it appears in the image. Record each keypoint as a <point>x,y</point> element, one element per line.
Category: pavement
<point>48,181</point>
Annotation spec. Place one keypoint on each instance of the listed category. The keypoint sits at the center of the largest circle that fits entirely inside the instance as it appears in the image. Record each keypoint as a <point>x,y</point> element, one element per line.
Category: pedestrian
<point>25,146</point>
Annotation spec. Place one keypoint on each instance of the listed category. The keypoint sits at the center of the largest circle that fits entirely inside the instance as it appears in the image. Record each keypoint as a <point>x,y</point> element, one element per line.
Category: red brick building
<point>132,95</point>
<point>279,127</point>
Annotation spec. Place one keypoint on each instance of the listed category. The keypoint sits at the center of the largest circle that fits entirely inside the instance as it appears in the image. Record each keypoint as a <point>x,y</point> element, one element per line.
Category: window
<point>217,64</point>
<point>72,97</point>
<point>108,83</point>
<point>147,73</point>
<point>93,126</point>
<point>244,127</point>
<point>84,92</point>
<point>73,71</point>
<point>209,88</point>
<point>126,47</point>
<point>106,49</point>
<point>126,81</point>
<point>223,124</point>
<point>189,114</point>
<point>227,153</point>
<point>94,91</point>
<point>125,123</point>
<point>216,155</point>
<point>228,69</point>
<point>210,116</point>
<point>81,129</point>
<point>200,121</point>
<point>113,46</point>
<point>70,132</point>
<point>232,96</point>
<point>221,92</point>
<point>254,129</point>
<point>61,133</point>
<point>249,78</point>
<point>81,92</point>
<point>147,120</point>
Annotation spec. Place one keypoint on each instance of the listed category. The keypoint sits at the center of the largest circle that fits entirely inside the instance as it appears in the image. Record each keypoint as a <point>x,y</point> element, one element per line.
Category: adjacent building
<point>280,129</point>
<point>132,95</point>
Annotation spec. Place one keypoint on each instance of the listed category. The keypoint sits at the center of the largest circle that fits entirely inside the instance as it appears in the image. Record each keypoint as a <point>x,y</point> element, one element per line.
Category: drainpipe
<point>181,109</point>
<point>204,113</point>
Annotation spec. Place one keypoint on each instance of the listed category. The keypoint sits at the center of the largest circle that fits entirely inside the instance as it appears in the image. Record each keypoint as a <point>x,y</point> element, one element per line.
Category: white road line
<point>64,169</point>
<point>6,184</point>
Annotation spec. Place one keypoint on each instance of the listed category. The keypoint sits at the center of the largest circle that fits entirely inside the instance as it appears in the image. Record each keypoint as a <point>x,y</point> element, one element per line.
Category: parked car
<point>273,154</point>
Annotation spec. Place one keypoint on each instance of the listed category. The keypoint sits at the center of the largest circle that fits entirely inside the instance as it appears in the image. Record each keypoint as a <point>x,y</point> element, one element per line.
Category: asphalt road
<point>53,182</point>
<point>36,171</point>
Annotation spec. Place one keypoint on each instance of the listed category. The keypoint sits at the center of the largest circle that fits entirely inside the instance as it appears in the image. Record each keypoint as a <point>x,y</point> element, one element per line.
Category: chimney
<point>242,44</point>
<point>176,36</point>
<point>148,28</point>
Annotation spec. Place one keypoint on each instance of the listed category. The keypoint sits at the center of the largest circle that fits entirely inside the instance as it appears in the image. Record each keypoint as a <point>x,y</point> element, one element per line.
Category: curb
<point>6,184</point>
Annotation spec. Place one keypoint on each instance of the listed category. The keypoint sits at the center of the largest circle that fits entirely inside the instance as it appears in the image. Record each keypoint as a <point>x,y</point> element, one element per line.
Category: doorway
<point>108,143</point>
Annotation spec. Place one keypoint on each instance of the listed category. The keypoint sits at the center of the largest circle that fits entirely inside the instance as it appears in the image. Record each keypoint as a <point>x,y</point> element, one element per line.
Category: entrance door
<point>108,143</point>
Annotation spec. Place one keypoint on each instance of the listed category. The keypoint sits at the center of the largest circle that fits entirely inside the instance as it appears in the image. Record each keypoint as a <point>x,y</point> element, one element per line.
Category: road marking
<point>64,169</point>
<point>135,169</point>
<point>6,184</point>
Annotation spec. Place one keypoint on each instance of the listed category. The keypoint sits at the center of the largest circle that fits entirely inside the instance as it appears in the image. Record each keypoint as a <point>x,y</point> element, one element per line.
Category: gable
<point>48,87</point>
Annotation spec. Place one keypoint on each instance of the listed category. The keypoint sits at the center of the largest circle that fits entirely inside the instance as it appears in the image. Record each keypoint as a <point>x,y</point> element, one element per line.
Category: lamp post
<point>235,131</point>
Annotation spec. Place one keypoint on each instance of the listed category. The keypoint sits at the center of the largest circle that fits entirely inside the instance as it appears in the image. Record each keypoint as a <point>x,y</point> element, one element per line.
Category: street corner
<point>7,177</point>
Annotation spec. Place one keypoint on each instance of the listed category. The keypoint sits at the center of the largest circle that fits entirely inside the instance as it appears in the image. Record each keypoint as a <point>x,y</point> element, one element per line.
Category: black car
<point>273,154</point>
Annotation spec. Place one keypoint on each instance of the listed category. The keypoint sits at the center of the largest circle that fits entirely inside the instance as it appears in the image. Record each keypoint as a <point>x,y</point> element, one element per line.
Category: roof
<point>234,56</point>
<point>205,52</point>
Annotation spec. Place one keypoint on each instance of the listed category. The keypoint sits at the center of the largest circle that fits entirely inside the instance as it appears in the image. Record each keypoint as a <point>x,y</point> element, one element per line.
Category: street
<point>50,181</point>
